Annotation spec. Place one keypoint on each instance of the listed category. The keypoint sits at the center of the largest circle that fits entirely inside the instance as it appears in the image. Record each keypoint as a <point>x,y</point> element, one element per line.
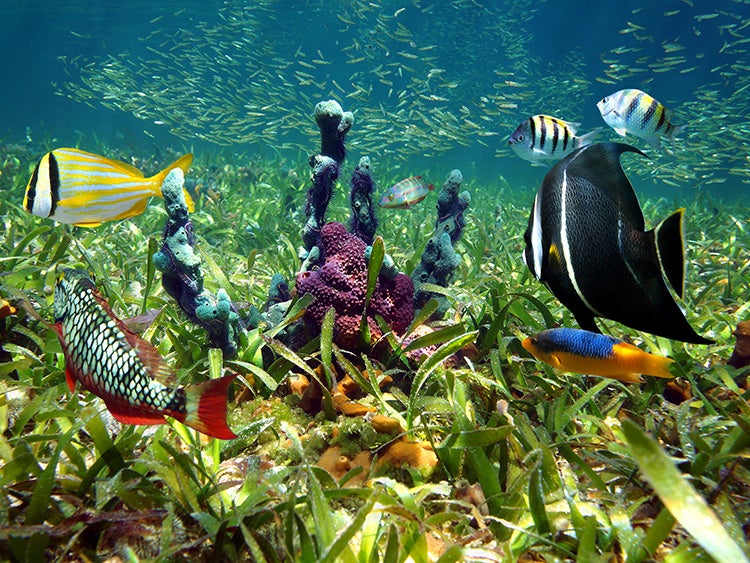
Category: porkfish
<point>84,189</point>
<point>580,351</point>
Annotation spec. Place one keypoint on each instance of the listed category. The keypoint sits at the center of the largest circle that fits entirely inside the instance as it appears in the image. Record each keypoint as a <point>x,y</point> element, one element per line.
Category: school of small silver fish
<point>239,81</point>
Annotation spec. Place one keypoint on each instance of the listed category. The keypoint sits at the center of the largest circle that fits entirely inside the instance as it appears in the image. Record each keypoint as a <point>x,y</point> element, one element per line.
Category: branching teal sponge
<point>363,223</point>
<point>334,123</point>
<point>439,259</point>
<point>182,277</point>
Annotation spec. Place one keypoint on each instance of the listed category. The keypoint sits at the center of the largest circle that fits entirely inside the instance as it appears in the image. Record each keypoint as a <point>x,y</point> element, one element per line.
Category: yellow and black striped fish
<point>543,137</point>
<point>634,111</point>
<point>84,189</point>
<point>125,370</point>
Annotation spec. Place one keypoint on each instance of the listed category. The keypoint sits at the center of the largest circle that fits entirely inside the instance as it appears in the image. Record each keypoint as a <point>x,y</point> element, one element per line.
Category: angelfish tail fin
<point>184,163</point>
<point>670,250</point>
<point>206,407</point>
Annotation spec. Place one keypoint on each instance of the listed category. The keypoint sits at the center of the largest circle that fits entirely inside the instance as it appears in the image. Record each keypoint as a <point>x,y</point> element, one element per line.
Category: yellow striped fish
<point>84,189</point>
<point>635,112</point>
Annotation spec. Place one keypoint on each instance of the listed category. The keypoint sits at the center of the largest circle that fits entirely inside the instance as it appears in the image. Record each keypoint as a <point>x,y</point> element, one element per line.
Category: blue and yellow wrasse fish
<point>125,370</point>
<point>406,193</point>
<point>84,189</point>
<point>635,112</point>
<point>581,351</point>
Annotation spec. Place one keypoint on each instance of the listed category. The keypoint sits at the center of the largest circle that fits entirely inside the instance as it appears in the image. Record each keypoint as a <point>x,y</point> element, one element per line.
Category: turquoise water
<point>434,85</point>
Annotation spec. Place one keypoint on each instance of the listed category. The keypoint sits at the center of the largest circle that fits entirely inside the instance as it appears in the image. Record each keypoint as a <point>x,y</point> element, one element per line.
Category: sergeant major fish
<point>542,137</point>
<point>586,241</point>
<point>406,193</point>
<point>581,351</point>
<point>84,189</point>
<point>635,112</point>
<point>125,370</point>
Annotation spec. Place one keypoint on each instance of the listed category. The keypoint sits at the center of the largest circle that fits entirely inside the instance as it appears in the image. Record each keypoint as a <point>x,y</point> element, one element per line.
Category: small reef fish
<point>542,137</point>
<point>125,370</point>
<point>635,112</point>
<point>581,351</point>
<point>84,189</point>
<point>406,193</point>
<point>586,241</point>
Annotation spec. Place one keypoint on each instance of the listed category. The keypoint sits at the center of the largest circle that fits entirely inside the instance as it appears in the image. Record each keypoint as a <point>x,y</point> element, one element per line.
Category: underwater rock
<point>439,259</point>
<point>325,174</point>
<point>334,123</point>
<point>341,283</point>
<point>741,354</point>
<point>182,277</point>
<point>363,223</point>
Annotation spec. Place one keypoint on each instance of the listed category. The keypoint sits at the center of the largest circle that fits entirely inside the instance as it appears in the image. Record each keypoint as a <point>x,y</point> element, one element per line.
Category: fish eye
<point>520,138</point>
<point>534,340</point>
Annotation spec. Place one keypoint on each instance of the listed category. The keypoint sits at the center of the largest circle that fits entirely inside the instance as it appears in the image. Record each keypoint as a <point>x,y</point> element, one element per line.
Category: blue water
<point>51,50</point>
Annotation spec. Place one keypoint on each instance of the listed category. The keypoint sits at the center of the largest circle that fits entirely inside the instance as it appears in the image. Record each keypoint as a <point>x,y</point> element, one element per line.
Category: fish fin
<point>184,163</point>
<point>206,407</point>
<point>146,352</point>
<point>600,165</point>
<point>626,377</point>
<point>654,141</point>
<point>70,379</point>
<point>670,250</point>
<point>136,209</point>
<point>622,131</point>
<point>125,167</point>
<point>87,225</point>
<point>556,362</point>
<point>676,130</point>
<point>128,414</point>
<point>80,200</point>
<point>588,138</point>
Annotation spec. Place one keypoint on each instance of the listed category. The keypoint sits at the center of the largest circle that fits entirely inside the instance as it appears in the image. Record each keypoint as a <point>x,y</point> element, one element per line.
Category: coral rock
<point>341,283</point>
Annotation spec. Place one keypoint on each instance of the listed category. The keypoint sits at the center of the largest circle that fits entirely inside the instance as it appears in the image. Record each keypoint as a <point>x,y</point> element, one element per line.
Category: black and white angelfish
<point>542,137</point>
<point>586,241</point>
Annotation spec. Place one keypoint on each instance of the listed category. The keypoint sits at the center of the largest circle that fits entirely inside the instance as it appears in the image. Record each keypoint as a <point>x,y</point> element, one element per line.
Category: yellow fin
<point>184,163</point>
<point>87,225</point>
<point>125,167</point>
<point>80,200</point>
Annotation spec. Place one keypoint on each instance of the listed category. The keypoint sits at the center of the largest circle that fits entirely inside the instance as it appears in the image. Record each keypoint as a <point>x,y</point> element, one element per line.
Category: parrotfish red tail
<point>670,249</point>
<point>184,163</point>
<point>206,406</point>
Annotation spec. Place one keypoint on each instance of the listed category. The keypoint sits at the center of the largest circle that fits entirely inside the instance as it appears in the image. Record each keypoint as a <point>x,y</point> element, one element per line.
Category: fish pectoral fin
<point>70,379</point>
<point>556,362</point>
<point>87,225</point>
<point>79,200</point>
<point>621,131</point>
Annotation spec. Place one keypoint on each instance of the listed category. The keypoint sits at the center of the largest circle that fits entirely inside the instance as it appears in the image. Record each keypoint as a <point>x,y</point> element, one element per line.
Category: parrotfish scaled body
<point>84,189</point>
<point>581,351</point>
<point>586,241</point>
<point>635,112</point>
<point>406,193</point>
<point>543,138</point>
<point>125,370</point>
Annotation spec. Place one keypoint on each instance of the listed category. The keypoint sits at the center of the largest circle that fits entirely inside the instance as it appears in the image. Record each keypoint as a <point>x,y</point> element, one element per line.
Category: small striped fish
<point>542,137</point>
<point>84,189</point>
<point>406,193</point>
<point>125,370</point>
<point>581,351</point>
<point>635,112</point>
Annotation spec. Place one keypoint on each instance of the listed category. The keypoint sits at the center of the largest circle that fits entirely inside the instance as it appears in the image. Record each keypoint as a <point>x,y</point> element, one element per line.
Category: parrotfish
<point>635,112</point>
<point>84,189</point>
<point>406,193</point>
<point>586,241</point>
<point>125,370</point>
<point>581,351</point>
<point>542,137</point>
